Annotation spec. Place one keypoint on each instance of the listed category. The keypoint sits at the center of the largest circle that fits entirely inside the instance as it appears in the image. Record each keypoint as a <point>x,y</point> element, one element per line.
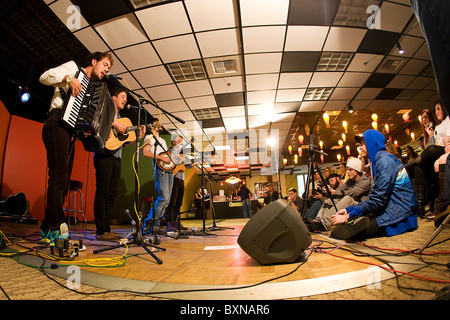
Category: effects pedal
<point>64,248</point>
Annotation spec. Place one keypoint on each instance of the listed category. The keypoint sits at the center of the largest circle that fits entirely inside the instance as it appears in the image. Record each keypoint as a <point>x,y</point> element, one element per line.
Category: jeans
<point>328,210</point>
<point>247,208</point>
<point>60,147</point>
<point>107,174</point>
<point>176,200</point>
<point>163,185</point>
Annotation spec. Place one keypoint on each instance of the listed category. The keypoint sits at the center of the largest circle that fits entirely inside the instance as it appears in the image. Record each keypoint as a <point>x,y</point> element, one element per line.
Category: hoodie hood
<point>374,141</point>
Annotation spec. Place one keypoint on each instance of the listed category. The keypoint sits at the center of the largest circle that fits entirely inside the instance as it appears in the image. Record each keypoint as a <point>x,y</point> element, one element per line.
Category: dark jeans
<point>107,174</point>
<point>176,200</point>
<point>60,146</point>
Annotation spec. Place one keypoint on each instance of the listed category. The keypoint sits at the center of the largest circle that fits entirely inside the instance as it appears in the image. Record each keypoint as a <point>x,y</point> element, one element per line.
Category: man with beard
<point>355,189</point>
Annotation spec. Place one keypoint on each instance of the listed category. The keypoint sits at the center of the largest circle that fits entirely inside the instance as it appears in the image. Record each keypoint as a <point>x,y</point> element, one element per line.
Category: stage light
<point>326,118</point>
<point>24,95</point>
<point>350,109</point>
<point>400,50</point>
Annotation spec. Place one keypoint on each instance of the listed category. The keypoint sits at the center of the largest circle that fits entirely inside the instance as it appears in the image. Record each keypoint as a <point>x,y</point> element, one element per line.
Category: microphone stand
<point>135,237</point>
<point>213,212</point>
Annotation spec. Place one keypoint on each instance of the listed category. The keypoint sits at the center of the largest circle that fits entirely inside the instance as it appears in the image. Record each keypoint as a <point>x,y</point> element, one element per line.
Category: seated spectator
<point>294,200</point>
<point>355,189</point>
<point>391,206</point>
<point>321,195</point>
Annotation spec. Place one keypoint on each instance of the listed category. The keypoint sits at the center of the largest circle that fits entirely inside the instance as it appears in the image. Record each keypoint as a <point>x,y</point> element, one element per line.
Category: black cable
<point>4,292</point>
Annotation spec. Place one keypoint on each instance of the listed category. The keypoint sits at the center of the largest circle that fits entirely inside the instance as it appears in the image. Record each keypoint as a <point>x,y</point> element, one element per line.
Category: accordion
<point>90,114</point>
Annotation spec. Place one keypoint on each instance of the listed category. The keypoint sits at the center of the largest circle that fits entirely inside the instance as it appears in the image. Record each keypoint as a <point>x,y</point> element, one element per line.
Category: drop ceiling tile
<point>259,109</point>
<point>368,93</point>
<point>153,76</point>
<point>235,123</point>
<point>420,83</point>
<point>378,42</point>
<point>201,102</point>
<point>336,105</point>
<point>264,12</point>
<point>165,92</point>
<point>379,80</point>
<point>360,104</point>
<point>379,104</point>
<point>91,40</point>
<point>414,29</point>
<point>344,39</point>
<point>65,11</point>
<point>388,94</point>
<point>262,81</point>
<point>289,95</point>
<point>195,88</point>
<point>400,81</point>
<point>305,38</point>
<point>93,15</point>
<point>174,105</point>
<point>294,80</point>
<point>261,97</point>
<point>128,81</point>
<point>309,106</point>
<point>164,21</point>
<point>353,79</point>
<point>423,52</point>
<point>262,62</point>
<point>139,56</point>
<point>364,62</point>
<point>414,67</point>
<point>169,48</point>
<point>394,17</point>
<point>184,115</point>
<point>299,61</point>
<point>230,99</point>
<point>210,15</point>
<point>317,12</point>
<point>325,79</point>
<point>227,112</point>
<point>273,39</point>
<point>227,84</point>
<point>121,31</point>
<point>343,93</point>
<point>280,107</point>
<point>218,43</point>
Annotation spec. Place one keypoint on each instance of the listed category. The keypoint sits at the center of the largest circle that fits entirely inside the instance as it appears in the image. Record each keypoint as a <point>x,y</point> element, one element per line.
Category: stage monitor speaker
<point>276,234</point>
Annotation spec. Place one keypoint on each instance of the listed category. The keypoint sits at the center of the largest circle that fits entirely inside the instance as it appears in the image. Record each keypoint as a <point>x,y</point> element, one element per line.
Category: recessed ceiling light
<point>317,94</point>
<point>187,70</point>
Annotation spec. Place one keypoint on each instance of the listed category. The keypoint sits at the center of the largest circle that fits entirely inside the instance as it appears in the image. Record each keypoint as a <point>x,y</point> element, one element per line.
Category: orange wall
<point>25,167</point>
<point>5,118</point>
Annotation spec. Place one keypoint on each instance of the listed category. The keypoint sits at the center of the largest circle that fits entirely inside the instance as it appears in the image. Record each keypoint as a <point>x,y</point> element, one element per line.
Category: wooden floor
<point>214,259</point>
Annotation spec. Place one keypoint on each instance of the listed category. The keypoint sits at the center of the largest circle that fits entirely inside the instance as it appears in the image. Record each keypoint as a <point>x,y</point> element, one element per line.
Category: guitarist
<point>107,165</point>
<point>155,148</point>
<point>176,198</point>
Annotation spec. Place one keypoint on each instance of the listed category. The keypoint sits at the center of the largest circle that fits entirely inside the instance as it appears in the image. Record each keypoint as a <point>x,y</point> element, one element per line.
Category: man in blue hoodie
<point>391,206</point>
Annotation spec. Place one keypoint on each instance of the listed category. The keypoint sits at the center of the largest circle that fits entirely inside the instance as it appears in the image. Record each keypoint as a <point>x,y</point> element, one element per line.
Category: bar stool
<point>75,188</point>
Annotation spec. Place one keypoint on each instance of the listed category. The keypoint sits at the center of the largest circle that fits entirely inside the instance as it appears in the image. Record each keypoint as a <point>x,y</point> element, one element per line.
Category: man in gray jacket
<point>354,190</point>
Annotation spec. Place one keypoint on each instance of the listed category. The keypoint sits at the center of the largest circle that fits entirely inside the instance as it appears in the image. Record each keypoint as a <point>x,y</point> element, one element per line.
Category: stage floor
<point>213,266</point>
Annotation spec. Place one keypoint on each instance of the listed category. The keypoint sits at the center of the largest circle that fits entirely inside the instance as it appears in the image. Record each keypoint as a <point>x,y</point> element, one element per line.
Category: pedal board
<point>64,248</point>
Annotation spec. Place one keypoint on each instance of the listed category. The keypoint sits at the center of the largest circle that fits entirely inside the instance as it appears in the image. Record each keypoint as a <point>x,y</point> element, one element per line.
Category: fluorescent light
<point>221,148</point>
<point>242,158</point>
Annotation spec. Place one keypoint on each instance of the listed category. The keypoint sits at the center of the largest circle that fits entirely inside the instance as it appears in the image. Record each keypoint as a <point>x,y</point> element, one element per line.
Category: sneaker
<point>109,236</point>
<point>49,236</point>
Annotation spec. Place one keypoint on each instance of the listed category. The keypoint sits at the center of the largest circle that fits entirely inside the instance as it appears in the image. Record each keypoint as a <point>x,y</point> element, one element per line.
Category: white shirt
<point>55,76</point>
<point>442,131</point>
<point>151,143</point>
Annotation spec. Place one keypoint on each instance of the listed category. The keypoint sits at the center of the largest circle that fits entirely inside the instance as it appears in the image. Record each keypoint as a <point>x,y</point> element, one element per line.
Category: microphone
<point>129,106</point>
<point>112,76</point>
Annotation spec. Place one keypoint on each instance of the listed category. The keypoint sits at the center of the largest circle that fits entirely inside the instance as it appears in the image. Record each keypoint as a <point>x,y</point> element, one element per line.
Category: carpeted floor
<point>19,282</point>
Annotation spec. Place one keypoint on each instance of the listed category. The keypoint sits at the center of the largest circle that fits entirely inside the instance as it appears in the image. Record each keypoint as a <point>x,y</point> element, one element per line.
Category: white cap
<point>354,163</point>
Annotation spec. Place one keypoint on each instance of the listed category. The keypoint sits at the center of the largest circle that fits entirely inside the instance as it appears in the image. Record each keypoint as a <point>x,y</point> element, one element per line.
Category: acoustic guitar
<point>116,139</point>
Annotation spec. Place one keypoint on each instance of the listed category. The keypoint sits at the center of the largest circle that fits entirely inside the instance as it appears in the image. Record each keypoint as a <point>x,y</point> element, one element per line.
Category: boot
<point>440,199</point>
<point>420,192</point>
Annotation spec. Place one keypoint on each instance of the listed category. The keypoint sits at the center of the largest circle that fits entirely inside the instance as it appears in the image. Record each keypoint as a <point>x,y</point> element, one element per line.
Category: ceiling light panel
<point>334,61</point>
<point>207,113</point>
<point>187,70</point>
<point>318,93</point>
